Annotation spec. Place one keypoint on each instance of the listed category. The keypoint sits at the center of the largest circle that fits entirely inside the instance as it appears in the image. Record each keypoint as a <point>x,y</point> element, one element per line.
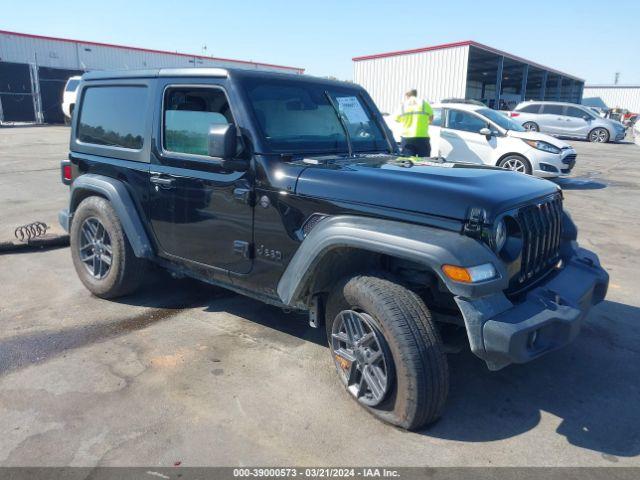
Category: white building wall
<point>45,53</point>
<point>436,74</point>
<point>77,55</point>
<point>613,97</point>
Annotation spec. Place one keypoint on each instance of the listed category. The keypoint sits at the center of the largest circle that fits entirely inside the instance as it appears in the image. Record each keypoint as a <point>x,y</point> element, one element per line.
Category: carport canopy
<point>502,81</point>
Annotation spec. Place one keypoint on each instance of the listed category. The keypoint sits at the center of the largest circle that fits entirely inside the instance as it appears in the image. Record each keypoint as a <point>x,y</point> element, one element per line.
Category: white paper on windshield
<point>352,109</point>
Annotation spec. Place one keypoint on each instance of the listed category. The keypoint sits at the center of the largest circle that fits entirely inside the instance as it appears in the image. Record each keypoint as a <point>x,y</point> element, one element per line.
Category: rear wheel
<point>531,126</point>
<point>516,163</point>
<point>387,351</point>
<point>599,135</point>
<point>102,255</point>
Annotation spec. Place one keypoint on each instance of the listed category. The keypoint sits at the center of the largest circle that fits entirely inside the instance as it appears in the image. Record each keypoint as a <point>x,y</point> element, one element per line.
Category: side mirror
<point>223,144</point>
<point>486,132</point>
<point>223,141</point>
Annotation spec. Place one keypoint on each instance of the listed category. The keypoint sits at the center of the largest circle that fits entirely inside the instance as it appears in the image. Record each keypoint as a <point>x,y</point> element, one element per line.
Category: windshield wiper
<point>342,122</point>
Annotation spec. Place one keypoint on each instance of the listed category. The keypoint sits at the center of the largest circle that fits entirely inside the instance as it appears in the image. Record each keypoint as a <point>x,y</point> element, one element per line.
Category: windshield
<point>72,85</point>
<point>500,120</point>
<point>300,117</point>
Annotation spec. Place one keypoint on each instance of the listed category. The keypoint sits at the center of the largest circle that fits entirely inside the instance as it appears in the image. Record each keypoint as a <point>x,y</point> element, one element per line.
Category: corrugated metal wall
<point>437,74</point>
<point>77,55</point>
<point>613,97</point>
<point>35,53</point>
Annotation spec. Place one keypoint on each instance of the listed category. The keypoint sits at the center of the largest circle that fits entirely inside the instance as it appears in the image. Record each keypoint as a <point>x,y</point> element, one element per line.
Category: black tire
<point>531,126</point>
<point>513,157</point>
<point>598,135</point>
<point>418,392</point>
<point>126,271</point>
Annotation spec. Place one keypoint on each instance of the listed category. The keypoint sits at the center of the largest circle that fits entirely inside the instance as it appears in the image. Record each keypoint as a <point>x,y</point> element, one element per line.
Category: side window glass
<point>577,113</point>
<point>553,110</point>
<point>189,113</point>
<point>465,121</point>
<point>437,117</point>
<point>113,116</point>
<point>530,109</point>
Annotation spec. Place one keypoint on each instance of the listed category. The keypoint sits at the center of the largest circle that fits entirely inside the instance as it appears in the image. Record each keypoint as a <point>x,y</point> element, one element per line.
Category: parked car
<point>630,119</point>
<point>69,97</point>
<point>289,189</point>
<point>465,132</point>
<point>567,120</point>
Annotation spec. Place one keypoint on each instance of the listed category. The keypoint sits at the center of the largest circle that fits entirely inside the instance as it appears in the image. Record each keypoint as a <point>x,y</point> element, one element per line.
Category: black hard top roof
<point>207,72</point>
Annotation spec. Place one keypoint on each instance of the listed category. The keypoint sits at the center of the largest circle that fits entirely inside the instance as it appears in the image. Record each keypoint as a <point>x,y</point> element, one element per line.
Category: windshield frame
<point>501,117</point>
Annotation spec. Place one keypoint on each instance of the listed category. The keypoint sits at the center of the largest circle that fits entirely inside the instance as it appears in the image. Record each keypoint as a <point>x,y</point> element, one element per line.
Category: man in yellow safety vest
<point>415,117</point>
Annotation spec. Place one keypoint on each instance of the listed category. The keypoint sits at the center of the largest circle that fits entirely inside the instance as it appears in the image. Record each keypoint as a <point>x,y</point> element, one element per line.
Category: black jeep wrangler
<point>290,189</point>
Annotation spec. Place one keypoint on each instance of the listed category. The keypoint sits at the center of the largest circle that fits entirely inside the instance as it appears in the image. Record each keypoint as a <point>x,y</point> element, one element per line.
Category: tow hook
<point>550,299</point>
<point>587,261</point>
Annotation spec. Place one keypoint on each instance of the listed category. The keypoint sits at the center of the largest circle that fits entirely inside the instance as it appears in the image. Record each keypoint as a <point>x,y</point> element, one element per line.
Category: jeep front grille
<point>541,226</point>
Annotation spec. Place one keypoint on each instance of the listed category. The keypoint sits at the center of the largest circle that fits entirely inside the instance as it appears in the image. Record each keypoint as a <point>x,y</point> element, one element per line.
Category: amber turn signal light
<point>475,274</point>
<point>459,274</point>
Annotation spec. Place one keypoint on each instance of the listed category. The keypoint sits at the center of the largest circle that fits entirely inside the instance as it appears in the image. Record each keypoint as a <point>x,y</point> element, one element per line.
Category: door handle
<point>162,181</point>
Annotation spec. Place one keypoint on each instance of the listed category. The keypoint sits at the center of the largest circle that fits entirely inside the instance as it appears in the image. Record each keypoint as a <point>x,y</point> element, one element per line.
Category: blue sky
<point>590,39</point>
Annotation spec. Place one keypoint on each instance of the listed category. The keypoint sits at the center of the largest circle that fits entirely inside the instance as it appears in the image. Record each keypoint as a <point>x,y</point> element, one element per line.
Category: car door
<point>460,140</point>
<point>552,119</point>
<point>199,211</point>
<point>577,122</point>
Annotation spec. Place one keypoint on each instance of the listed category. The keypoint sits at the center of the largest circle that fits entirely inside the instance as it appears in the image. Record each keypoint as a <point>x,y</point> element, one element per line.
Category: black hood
<point>442,189</point>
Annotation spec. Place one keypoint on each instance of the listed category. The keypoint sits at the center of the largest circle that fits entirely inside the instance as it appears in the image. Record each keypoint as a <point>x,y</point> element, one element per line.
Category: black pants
<point>416,147</point>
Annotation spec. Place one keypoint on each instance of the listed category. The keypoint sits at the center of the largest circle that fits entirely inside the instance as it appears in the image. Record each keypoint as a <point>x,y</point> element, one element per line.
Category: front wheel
<point>599,135</point>
<point>516,163</point>
<point>387,351</point>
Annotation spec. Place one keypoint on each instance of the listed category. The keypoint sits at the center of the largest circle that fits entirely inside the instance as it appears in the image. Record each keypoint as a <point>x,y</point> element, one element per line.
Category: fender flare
<point>429,246</point>
<point>117,194</point>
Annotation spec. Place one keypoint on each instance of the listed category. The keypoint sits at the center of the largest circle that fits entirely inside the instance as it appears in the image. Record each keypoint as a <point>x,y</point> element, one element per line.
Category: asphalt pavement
<point>185,372</point>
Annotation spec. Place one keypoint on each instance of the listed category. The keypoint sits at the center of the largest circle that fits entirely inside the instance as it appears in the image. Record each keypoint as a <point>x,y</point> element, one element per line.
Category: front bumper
<point>547,318</point>
<point>551,165</point>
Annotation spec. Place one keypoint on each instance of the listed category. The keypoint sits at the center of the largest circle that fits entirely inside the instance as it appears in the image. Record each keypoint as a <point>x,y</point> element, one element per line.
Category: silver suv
<point>567,120</point>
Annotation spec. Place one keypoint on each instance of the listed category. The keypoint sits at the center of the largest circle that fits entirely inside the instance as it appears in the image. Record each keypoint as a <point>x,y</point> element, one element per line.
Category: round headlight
<point>500,236</point>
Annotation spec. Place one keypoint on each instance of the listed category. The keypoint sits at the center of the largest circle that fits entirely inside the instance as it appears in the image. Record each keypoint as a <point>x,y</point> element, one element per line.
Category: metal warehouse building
<point>462,70</point>
<point>34,70</point>
<point>613,96</point>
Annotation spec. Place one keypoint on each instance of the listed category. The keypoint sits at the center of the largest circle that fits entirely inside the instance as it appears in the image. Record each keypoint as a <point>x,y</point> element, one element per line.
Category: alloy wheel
<point>95,248</point>
<point>361,358</point>
<point>599,135</point>
<point>516,164</point>
<point>530,127</point>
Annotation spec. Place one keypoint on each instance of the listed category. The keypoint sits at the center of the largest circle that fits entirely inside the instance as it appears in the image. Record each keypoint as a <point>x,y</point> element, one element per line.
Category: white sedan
<point>468,133</point>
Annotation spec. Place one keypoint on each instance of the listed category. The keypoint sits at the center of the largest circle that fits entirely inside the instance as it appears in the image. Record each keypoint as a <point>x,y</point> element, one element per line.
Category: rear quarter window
<point>113,116</point>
